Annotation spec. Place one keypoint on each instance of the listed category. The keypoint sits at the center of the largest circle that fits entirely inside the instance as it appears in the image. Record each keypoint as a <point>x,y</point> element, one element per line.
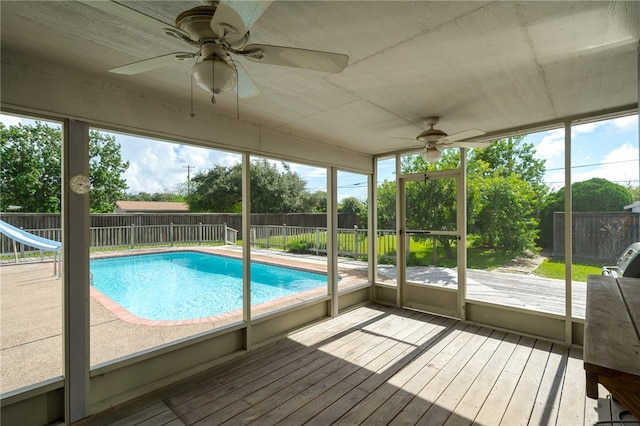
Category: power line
<point>592,165</point>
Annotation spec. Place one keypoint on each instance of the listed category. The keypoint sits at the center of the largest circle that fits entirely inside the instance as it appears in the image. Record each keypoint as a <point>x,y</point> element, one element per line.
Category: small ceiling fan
<point>218,31</point>
<point>435,140</point>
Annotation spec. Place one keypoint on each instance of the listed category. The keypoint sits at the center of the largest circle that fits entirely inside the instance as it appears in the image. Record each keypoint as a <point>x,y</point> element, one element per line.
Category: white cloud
<point>586,127</point>
<point>626,122</point>
<point>551,146</point>
<point>157,166</point>
<point>614,166</point>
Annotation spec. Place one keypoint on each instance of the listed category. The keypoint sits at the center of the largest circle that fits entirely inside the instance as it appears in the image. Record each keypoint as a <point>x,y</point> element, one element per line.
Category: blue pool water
<point>189,285</point>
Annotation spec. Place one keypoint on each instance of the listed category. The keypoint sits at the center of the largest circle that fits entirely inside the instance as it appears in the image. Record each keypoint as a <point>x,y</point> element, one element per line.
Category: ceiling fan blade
<point>298,58</point>
<point>246,87</point>
<point>460,136</point>
<point>152,63</point>
<point>227,23</point>
<point>482,144</point>
<point>249,11</point>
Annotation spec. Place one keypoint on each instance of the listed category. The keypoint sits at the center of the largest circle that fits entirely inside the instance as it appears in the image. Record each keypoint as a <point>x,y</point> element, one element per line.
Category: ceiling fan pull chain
<point>213,80</point>
<point>191,114</point>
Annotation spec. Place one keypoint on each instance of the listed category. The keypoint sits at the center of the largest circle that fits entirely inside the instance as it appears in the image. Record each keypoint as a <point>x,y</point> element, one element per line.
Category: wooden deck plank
<point>361,411</point>
<point>493,408</point>
<point>142,415</point>
<point>288,380</point>
<point>346,363</point>
<point>546,405</point>
<point>472,402</point>
<point>392,359</point>
<point>354,400</point>
<point>269,370</point>
<point>444,375</point>
<point>573,392</point>
<point>268,359</point>
<point>445,404</point>
<point>390,366</point>
<point>518,411</point>
<point>377,349</point>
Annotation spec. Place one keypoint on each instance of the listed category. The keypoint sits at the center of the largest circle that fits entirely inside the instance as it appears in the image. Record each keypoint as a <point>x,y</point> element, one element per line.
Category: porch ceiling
<point>485,65</point>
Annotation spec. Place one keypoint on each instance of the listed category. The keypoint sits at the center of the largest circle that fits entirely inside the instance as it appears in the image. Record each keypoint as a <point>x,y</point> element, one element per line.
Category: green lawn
<point>555,269</point>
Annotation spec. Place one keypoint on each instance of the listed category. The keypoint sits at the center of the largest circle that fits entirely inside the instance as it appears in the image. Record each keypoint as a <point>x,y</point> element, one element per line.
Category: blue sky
<point>606,149</point>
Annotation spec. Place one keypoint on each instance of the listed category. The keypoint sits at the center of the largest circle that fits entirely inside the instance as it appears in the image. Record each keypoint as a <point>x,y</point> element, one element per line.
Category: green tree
<point>31,169</point>
<point>353,205</point>
<point>156,196</point>
<point>105,170</point>
<point>505,194</point>
<point>315,202</point>
<point>593,195</point>
<point>272,191</point>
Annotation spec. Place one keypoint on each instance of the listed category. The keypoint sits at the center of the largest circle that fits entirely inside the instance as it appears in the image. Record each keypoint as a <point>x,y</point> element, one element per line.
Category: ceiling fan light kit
<point>431,155</point>
<point>215,75</point>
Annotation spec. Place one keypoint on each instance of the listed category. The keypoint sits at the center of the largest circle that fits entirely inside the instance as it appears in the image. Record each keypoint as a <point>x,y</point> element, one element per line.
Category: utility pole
<point>189,178</point>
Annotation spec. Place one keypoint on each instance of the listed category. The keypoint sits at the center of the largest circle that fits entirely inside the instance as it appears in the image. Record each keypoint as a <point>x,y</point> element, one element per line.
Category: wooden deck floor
<point>380,365</point>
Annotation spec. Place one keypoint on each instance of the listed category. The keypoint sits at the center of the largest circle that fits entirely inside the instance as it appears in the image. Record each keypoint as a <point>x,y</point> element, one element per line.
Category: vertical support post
<point>461,243</point>
<point>568,233</point>
<point>75,244</point>
<point>332,242</point>
<point>132,237</point>
<point>200,233</point>
<point>171,233</point>
<point>372,227</point>
<point>246,248</point>
<point>401,235</point>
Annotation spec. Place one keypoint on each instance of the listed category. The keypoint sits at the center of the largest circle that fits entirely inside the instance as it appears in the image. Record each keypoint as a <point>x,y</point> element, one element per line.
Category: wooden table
<point>612,339</point>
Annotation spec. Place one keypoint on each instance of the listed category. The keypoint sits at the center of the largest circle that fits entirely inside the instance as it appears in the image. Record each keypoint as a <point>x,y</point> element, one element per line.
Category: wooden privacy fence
<point>597,237</point>
<point>101,220</point>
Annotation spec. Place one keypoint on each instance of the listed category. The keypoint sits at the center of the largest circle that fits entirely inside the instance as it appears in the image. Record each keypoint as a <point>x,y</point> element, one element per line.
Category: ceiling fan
<point>435,140</point>
<point>218,31</point>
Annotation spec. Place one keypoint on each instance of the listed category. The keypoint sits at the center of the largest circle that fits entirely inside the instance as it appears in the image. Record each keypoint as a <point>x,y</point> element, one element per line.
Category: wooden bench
<point>612,339</point>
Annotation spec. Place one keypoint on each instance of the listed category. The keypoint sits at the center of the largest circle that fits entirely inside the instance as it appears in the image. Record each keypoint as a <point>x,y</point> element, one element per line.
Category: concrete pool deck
<point>31,317</point>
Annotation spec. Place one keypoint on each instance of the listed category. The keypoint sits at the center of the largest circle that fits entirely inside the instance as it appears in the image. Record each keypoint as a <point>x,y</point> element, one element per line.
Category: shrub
<point>299,247</point>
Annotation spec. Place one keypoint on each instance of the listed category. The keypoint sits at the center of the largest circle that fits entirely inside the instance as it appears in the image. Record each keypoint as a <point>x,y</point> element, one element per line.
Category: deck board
<point>387,366</point>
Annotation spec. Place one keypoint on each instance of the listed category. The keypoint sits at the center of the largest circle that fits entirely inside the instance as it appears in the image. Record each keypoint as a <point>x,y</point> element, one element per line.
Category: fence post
<point>284,236</point>
<point>171,233</point>
<point>224,237</point>
<point>317,242</point>
<point>199,233</point>
<point>355,241</point>
<point>133,239</point>
<point>268,236</point>
<point>22,247</point>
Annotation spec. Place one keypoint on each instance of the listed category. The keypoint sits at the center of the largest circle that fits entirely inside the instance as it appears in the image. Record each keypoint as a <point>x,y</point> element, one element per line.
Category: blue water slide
<point>24,237</point>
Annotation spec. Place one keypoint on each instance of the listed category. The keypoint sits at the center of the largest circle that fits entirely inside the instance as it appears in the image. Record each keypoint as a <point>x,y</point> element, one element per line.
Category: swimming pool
<point>188,285</point>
